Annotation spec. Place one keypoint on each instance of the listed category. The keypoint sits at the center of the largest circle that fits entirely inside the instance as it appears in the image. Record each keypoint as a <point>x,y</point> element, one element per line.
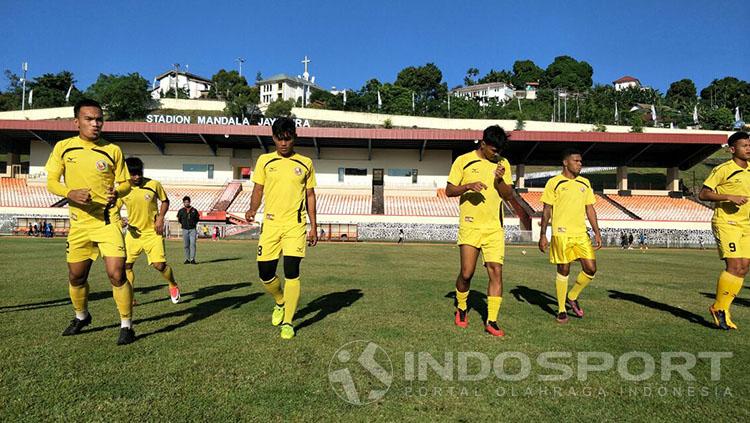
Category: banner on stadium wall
<point>217,120</point>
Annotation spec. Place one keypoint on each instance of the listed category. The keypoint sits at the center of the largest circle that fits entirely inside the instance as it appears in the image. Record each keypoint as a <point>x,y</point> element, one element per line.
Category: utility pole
<point>240,60</point>
<point>24,68</point>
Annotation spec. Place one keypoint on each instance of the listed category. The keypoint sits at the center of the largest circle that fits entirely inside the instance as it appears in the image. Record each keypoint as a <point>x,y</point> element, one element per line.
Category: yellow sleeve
<point>160,193</point>
<point>549,196</point>
<point>55,169</point>
<point>715,178</point>
<point>311,183</point>
<point>121,171</point>
<point>590,197</point>
<point>457,172</point>
<point>259,173</point>
<point>508,175</point>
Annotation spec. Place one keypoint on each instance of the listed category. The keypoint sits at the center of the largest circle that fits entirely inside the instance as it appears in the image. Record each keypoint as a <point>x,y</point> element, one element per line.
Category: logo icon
<point>297,171</point>
<point>360,372</point>
<point>147,197</point>
<point>101,165</point>
<point>583,189</point>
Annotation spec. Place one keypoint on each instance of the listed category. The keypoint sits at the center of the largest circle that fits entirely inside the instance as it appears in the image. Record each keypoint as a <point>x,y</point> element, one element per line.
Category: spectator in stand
<point>216,233</point>
<point>51,230</point>
<point>30,232</point>
<point>206,233</point>
<point>630,241</point>
<point>188,217</point>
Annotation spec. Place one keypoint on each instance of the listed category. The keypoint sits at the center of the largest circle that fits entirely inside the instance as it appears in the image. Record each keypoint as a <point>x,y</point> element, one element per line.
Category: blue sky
<point>350,42</point>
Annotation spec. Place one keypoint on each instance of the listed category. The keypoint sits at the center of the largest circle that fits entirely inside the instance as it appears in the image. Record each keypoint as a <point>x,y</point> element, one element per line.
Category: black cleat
<point>193,262</point>
<point>186,262</point>
<point>720,318</point>
<point>76,325</point>
<point>127,336</point>
<point>562,317</point>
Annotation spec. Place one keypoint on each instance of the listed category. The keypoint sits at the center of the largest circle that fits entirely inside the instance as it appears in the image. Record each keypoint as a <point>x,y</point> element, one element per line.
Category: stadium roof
<point>526,147</point>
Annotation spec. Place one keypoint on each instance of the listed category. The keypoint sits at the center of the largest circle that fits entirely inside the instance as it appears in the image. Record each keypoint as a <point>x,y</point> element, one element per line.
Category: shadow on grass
<point>326,305</point>
<point>477,301</point>
<point>93,296</point>
<point>535,297</point>
<point>219,260</point>
<point>647,302</point>
<point>197,312</point>
<point>737,301</point>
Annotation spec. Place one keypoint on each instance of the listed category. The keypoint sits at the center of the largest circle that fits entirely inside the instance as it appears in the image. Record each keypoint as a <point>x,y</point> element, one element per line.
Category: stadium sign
<point>217,120</point>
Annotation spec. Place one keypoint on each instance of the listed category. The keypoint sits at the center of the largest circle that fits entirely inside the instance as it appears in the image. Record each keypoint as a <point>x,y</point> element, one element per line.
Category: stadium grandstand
<point>213,165</point>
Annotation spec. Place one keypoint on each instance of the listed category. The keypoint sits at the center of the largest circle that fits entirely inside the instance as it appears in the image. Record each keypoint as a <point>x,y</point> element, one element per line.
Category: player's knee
<point>291,267</point>
<point>466,274</point>
<point>563,270</point>
<point>76,279</point>
<point>267,269</point>
<point>589,269</point>
<point>116,277</point>
<point>160,266</point>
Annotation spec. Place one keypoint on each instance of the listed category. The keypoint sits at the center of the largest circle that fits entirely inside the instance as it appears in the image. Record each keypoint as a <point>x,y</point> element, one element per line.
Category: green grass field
<point>216,356</point>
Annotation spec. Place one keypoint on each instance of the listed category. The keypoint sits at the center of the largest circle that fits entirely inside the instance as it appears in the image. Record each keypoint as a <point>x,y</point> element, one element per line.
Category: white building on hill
<point>196,86</point>
<point>284,87</point>
<point>626,82</point>
<point>499,91</point>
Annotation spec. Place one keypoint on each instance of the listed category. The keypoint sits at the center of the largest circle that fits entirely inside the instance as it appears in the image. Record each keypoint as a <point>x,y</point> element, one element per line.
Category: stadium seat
<point>649,207</point>
<point>16,193</point>
<point>604,209</point>
<point>203,199</point>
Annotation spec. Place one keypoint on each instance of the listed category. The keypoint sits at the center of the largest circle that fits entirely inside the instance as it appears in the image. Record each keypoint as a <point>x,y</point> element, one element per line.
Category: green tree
<point>425,81</point>
<point>280,108</point>
<point>681,93</point>
<point>636,122</point>
<point>182,93</point>
<point>568,73</point>
<point>525,71</point>
<point>471,76</point>
<point>496,76</point>
<point>727,92</point>
<point>50,90</point>
<point>243,101</point>
<point>718,119</point>
<point>124,97</point>
<point>225,84</point>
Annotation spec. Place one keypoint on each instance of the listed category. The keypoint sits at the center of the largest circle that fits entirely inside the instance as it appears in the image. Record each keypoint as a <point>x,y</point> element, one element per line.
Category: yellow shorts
<point>732,241</point>
<point>490,241</point>
<point>275,240</point>
<point>86,243</point>
<point>150,242</point>
<point>565,249</point>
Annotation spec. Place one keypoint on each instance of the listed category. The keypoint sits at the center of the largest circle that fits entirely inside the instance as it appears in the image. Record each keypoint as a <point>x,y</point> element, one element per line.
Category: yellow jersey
<point>142,206</point>
<point>285,183</point>
<point>568,198</point>
<point>86,164</point>
<point>729,178</point>
<point>481,210</point>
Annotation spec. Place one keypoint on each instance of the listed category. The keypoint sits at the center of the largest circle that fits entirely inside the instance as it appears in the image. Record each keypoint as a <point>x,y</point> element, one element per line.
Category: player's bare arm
<point>546,215</point>
<point>591,215</point>
<point>504,190</point>
<point>456,191</point>
<point>255,199</point>
<point>159,222</point>
<point>707,194</point>
<point>312,237</point>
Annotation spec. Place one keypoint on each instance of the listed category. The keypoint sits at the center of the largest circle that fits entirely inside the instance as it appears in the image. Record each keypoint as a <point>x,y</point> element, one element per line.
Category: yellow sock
<point>727,288</point>
<point>123,296</point>
<point>79,296</point>
<point>130,276</point>
<point>582,280</point>
<point>493,308</point>
<point>461,298</point>
<point>561,288</point>
<point>274,288</point>
<point>291,298</point>
<point>168,275</point>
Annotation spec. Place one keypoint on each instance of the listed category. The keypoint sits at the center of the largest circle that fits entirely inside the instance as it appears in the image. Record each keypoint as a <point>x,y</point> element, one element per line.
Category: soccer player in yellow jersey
<point>90,167</point>
<point>287,180</point>
<point>482,179</point>
<point>146,225</point>
<point>728,186</point>
<point>568,198</point>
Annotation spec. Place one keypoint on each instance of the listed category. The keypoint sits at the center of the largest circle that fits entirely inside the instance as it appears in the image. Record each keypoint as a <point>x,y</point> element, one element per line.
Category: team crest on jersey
<point>583,189</point>
<point>101,165</point>
<point>297,171</point>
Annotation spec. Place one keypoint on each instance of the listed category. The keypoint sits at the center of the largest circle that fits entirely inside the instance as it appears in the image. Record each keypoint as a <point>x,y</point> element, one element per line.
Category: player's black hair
<point>135,165</point>
<point>495,135</point>
<point>739,135</point>
<point>569,152</point>
<point>187,197</point>
<point>85,102</point>
<point>284,128</point>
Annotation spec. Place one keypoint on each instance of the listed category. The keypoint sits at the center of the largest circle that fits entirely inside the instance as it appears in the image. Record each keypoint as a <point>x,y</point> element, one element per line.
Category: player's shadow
<point>206,291</point>
<point>219,260</point>
<point>93,296</point>
<point>535,297</point>
<point>647,302</point>
<point>198,312</point>
<point>477,301</point>
<point>739,301</point>
<point>326,305</point>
